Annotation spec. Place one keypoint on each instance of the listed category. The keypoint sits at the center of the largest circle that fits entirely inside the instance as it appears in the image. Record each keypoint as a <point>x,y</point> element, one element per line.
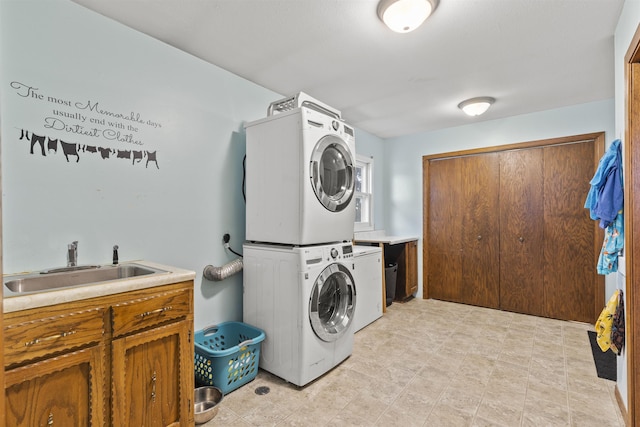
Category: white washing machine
<point>367,273</point>
<point>304,299</point>
<point>300,177</point>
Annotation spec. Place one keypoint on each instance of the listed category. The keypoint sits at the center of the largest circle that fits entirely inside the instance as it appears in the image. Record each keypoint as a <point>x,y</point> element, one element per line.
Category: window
<point>364,193</point>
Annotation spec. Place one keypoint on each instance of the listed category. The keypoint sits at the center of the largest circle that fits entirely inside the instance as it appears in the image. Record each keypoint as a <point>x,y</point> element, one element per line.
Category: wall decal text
<point>88,118</point>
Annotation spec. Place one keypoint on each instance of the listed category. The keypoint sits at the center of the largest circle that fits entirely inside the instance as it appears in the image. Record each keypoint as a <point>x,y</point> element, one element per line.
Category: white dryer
<point>300,178</point>
<point>304,299</point>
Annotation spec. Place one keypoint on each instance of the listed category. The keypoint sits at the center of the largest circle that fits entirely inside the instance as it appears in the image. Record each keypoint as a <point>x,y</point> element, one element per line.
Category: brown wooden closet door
<point>521,231</point>
<point>480,230</point>
<point>464,230</point>
<point>445,230</point>
<point>569,280</point>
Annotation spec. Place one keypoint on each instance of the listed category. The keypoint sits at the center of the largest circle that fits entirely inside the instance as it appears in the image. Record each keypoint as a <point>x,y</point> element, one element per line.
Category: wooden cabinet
<point>149,377</point>
<point>404,252</point>
<point>153,365</point>
<point>50,333</point>
<point>46,352</point>
<point>67,391</point>
<point>123,359</point>
<point>407,279</point>
<point>507,228</point>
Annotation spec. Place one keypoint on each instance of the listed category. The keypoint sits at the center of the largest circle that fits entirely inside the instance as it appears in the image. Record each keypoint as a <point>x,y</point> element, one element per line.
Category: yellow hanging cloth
<point>605,321</point>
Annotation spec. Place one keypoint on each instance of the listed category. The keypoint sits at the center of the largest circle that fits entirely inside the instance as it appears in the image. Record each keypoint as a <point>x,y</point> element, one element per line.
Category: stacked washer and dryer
<point>298,281</point>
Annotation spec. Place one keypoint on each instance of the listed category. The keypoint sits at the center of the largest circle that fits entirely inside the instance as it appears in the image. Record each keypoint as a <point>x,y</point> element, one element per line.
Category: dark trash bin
<point>390,274</point>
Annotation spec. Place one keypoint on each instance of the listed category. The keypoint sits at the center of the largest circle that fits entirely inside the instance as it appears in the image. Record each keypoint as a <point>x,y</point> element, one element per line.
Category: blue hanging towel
<point>606,197</point>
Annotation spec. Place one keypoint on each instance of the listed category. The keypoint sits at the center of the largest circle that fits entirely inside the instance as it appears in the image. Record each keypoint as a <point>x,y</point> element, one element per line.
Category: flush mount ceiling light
<point>476,106</point>
<point>403,16</point>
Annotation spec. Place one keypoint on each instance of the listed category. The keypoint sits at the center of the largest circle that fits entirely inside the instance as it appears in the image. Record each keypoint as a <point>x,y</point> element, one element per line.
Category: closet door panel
<point>569,281</point>
<point>480,230</point>
<point>445,224</point>
<point>521,226</point>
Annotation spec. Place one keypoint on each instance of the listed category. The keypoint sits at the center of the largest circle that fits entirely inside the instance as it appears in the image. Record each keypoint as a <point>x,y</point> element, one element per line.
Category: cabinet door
<point>521,237</point>
<point>62,391</point>
<point>153,377</point>
<point>411,267</point>
<point>407,280</point>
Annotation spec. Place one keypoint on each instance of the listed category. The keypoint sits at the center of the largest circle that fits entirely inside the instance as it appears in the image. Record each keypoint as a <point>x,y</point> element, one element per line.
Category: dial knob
<point>334,253</point>
<point>335,125</point>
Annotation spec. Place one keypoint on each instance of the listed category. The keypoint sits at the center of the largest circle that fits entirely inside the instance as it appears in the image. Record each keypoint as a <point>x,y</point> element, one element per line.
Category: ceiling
<point>531,55</point>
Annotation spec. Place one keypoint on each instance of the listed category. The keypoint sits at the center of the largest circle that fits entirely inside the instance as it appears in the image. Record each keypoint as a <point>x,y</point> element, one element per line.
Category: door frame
<point>632,226</point>
<point>2,381</point>
<point>599,145</point>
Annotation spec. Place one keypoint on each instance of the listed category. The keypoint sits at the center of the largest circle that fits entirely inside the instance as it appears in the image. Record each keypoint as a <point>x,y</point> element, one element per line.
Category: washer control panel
<point>347,251</point>
<point>340,252</point>
<point>317,254</point>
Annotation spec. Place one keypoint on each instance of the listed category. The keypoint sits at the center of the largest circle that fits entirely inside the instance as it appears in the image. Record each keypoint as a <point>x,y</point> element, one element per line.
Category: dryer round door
<point>332,174</point>
<point>332,303</point>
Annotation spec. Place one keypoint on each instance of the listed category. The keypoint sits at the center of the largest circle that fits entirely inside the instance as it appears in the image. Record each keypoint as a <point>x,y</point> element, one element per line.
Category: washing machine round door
<point>332,174</point>
<point>332,303</point>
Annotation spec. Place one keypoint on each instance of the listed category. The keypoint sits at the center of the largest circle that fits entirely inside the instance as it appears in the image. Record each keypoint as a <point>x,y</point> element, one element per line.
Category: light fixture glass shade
<point>476,106</point>
<point>403,16</point>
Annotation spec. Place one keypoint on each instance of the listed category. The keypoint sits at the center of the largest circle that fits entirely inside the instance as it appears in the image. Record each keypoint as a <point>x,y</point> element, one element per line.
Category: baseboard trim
<point>623,409</point>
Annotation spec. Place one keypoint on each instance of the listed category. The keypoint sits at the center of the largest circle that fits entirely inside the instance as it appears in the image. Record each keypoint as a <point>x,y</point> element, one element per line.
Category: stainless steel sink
<point>67,269</point>
<point>79,276</point>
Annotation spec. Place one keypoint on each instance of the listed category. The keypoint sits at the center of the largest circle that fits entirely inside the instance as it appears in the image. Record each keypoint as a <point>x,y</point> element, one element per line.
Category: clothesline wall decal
<point>74,149</point>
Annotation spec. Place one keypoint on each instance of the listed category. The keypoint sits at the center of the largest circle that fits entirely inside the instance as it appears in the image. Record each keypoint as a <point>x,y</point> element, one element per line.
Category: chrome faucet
<point>72,254</point>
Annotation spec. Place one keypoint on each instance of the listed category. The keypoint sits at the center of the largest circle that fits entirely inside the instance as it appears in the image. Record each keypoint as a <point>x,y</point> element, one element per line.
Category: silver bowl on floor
<point>206,403</point>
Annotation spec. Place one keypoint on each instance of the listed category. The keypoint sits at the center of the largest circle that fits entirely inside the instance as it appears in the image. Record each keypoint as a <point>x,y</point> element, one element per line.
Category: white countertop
<point>15,302</point>
<point>380,236</point>
<point>359,250</point>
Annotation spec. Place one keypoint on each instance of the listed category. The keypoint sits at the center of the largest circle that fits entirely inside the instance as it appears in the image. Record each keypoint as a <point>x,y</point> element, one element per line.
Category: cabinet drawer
<point>40,337</point>
<point>148,311</point>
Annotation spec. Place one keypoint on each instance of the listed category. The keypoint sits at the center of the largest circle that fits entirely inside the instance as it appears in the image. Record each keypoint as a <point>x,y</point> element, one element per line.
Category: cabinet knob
<point>479,237</point>
<point>521,239</point>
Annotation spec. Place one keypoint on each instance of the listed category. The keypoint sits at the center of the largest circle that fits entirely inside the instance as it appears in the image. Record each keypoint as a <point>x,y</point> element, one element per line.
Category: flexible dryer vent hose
<point>220,273</point>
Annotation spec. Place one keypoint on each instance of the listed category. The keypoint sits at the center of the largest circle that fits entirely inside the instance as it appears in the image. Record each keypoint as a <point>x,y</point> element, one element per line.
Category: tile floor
<point>433,363</point>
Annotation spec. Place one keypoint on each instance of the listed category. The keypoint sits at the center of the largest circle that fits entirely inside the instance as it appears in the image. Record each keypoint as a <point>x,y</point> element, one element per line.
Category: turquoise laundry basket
<point>227,355</point>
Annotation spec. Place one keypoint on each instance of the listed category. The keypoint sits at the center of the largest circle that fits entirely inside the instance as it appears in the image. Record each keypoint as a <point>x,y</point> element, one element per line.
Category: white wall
<point>404,155</point>
<point>175,213</point>
<point>626,28</point>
